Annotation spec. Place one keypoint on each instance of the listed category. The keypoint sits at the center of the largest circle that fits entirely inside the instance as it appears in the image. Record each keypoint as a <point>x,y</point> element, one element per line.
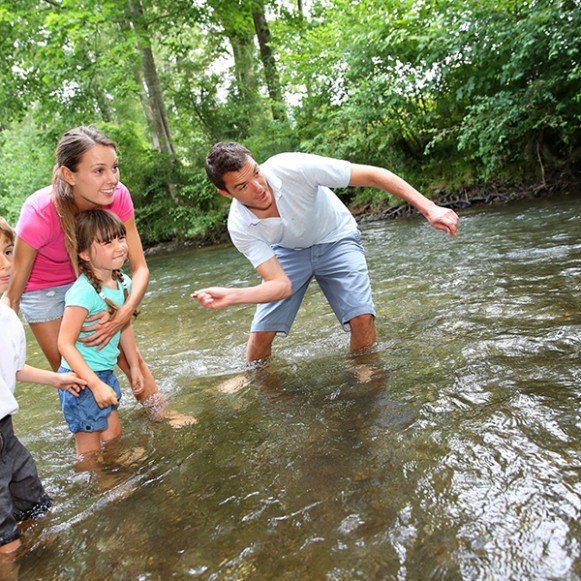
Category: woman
<point>86,176</point>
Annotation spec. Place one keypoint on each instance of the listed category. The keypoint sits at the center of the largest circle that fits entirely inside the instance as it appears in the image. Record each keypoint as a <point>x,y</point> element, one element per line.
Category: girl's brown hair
<point>69,152</point>
<point>98,226</point>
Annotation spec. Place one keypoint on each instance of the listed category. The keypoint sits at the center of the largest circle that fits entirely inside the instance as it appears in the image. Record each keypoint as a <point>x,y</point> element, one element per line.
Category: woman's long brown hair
<point>69,152</point>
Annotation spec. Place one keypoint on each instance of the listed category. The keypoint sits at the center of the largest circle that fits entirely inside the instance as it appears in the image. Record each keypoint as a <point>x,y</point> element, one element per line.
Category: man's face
<point>249,187</point>
<point>6,256</point>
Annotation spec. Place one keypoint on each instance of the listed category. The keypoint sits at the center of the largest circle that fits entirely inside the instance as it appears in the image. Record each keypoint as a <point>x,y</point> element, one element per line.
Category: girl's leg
<point>46,335</point>
<point>87,442</point>
<point>113,429</point>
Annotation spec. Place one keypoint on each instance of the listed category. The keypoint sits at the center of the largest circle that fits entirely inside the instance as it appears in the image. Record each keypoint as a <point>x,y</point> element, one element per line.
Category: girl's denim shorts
<point>44,305</point>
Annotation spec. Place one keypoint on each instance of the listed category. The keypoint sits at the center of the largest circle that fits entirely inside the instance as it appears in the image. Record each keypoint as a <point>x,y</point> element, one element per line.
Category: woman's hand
<point>104,394</point>
<point>103,326</point>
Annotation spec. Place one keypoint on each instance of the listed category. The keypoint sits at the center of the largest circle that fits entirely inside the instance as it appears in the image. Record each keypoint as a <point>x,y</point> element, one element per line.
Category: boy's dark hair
<point>6,230</point>
<point>224,157</point>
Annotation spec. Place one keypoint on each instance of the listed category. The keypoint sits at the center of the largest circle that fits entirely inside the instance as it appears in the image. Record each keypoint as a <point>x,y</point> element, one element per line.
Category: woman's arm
<point>139,268</point>
<point>71,325</point>
<point>24,256</point>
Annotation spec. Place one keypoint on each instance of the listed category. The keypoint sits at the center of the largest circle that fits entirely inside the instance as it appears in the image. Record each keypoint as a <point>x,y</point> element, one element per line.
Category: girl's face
<point>95,178</point>
<point>106,256</point>
<point>6,255</point>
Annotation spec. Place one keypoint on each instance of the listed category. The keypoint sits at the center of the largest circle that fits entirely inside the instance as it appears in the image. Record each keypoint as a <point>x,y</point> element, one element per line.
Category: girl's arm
<point>71,325</point>
<point>129,347</point>
<point>139,281</point>
<point>24,256</point>
<point>66,381</point>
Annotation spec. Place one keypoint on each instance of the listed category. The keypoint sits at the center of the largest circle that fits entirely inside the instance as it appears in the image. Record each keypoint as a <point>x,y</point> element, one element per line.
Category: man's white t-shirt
<point>12,358</point>
<point>310,213</point>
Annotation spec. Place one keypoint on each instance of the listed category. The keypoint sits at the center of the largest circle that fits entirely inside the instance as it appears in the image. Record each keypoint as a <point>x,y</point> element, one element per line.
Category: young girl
<point>101,252</point>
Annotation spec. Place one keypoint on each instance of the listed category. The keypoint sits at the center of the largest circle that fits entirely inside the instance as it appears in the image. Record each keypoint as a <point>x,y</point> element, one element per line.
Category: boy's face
<point>6,255</point>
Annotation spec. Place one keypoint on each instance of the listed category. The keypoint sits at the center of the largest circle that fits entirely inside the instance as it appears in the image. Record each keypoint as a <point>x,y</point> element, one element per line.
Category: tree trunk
<point>155,109</point>
<point>152,99</point>
<point>268,62</point>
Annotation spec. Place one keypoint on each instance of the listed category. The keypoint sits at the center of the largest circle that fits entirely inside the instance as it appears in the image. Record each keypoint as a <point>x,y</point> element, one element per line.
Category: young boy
<point>22,495</point>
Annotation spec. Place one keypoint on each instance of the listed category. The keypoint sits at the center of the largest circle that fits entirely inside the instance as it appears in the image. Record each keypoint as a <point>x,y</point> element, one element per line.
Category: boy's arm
<point>66,381</point>
<point>376,177</point>
<point>71,325</point>
<point>127,343</point>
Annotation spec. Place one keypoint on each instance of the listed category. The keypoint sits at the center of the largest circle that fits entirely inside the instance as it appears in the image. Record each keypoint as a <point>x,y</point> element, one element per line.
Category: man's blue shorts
<point>82,413</point>
<point>340,269</point>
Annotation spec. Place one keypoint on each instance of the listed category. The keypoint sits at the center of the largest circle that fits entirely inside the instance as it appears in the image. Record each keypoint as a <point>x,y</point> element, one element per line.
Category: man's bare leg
<point>259,346</point>
<point>258,351</point>
<point>363,338</point>
<point>363,334</point>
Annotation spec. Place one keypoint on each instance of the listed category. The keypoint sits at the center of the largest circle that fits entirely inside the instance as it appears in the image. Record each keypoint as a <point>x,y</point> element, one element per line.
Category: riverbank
<point>477,195</point>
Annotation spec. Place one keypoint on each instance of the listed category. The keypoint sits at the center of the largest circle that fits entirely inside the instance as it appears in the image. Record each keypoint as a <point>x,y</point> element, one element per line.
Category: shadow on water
<point>450,452</point>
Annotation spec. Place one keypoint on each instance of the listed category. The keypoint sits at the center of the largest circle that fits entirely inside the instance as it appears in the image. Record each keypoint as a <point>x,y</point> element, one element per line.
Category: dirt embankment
<point>485,194</point>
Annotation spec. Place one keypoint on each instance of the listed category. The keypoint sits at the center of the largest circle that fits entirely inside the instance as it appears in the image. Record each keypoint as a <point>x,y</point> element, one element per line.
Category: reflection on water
<point>450,452</point>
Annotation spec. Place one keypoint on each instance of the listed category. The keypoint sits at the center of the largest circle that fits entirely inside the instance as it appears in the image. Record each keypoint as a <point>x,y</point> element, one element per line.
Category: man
<point>292,227</point>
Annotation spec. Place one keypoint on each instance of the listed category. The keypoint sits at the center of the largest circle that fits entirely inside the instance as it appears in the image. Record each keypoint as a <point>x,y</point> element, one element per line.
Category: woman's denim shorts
<point>44,305</point>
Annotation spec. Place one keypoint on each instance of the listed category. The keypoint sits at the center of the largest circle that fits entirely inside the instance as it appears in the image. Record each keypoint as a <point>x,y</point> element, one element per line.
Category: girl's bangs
<point>108,229</point>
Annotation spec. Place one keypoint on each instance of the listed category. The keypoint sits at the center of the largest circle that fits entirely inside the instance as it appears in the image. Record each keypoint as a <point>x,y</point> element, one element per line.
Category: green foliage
<point>26,162</point>
<point>443,92</point>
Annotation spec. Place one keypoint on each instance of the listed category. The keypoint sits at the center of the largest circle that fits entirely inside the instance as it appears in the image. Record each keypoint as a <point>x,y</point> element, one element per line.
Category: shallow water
<point>452,452</point>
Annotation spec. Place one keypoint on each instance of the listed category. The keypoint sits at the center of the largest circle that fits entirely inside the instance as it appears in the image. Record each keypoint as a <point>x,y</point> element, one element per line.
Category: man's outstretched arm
<point>441,218</point>
<point>275,286</point>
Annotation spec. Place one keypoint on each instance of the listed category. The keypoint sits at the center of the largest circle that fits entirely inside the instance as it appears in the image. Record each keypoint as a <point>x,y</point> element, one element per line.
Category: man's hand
<point>443,219</point>
<point>215,297</point>
<point>104,395</point>
<point>104,327</point>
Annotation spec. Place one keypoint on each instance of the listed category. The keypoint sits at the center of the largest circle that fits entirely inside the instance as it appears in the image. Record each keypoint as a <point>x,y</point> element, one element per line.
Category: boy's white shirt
<point>12,358</point>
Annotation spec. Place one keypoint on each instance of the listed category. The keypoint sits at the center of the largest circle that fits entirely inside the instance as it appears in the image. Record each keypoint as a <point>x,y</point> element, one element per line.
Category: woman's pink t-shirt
<point>40,227</point>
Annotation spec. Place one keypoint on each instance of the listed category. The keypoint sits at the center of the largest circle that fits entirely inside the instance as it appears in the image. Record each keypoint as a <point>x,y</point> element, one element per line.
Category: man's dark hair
<point>224,157</point>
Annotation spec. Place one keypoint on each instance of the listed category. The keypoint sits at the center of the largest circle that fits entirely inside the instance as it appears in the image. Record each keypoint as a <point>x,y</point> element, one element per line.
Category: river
<point>452,452</point>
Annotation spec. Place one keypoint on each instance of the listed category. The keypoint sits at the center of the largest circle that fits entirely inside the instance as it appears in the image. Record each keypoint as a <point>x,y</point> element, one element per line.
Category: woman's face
<point>95,179</point>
